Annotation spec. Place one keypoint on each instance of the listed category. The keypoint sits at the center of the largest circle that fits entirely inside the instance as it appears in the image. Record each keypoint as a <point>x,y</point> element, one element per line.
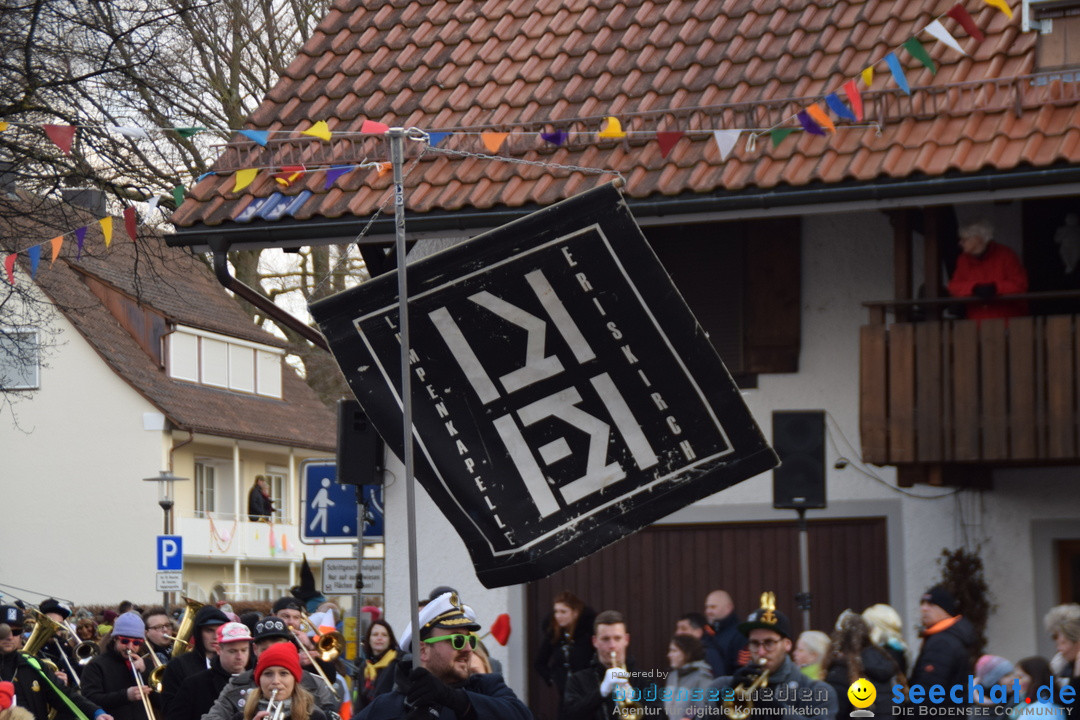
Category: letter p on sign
<point>170,552</point>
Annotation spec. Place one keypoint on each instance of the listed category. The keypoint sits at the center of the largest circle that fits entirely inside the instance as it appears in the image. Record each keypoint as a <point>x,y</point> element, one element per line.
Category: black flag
<point>563,397</point>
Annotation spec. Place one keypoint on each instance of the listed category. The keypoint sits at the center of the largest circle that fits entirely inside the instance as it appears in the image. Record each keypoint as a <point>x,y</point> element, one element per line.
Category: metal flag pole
<point>397,152</point>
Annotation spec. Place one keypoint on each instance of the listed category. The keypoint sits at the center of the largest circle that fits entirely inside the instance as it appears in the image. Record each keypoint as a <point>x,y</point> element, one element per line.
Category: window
<point>225,362</point>
<point>278,478</point>
<point>1059,33</point>
<point>204,488</point>
<point>18,359</point>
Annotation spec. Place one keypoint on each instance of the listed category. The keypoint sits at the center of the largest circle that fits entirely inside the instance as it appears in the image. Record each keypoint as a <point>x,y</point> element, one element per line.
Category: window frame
<point>36,360</point>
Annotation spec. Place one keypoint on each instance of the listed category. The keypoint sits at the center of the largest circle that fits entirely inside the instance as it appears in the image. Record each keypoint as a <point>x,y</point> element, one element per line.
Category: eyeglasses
<point>456,641</point>
<point>766,645</point>
<point>133,642</point>
<point>158,627</point>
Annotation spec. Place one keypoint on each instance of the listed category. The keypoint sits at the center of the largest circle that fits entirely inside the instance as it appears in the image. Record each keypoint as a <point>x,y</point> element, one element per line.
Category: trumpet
<point>742,702</point>
<point>627,708</point>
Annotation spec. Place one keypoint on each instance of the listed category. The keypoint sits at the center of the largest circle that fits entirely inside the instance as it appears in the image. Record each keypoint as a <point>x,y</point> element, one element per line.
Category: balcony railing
<point>970,392</point>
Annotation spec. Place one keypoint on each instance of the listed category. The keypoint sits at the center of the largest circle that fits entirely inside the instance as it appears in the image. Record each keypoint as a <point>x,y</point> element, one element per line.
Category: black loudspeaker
<point>359,447</point>
<point>799,440</point>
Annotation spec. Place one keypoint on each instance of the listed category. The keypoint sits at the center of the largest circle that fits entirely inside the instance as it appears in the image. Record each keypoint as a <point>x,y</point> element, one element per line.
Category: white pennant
<point>938,31</point>
<point>130,131</point>
<point>153,203</point>
<point>725,141</point>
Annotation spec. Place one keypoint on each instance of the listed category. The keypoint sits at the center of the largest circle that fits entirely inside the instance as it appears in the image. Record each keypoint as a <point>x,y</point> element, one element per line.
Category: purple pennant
<point>333,173</point>
<point>80,237</point>
<point>808,124</point>
<point>34,254</point>
<point>556,138</point>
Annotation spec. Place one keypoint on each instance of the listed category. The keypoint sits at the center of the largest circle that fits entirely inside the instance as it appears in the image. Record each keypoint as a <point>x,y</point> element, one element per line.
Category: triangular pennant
<point>559,137</point>
<point>259,137</point>
<point>851,89</point>
<point>1000,5</point>
<point>778,135</point>
<point>152,203</point>
<point>57,242</point>
<point>436,138</point>
<point>244,178</point>
<point>725,141</point>
<point>838,107</point>
<point>958,13</point>
<point>384,168</point>
<point>80,238</point>
<point>130,131</point>
<point>944,36</point>
<point>370,127</point>
<point>187,132</point>
<point>897,72</point>
<point>332,174</point>
<point>206,174</point>
<point>820,117</point>
<point>808,123</point>
<point>34,253</point>
<point>913,46</point>
<point>611,129</point>
<point>178,195</point>
<point>289,174</point>
<point>3,126</point>
<point>868,76</point>
<point>130,222</point>
<point>106,229</point>
<point>62,136</point>
<point>493,140</point>
<point>667,141</point>
<point>9,265</point>
<point>320,130</point>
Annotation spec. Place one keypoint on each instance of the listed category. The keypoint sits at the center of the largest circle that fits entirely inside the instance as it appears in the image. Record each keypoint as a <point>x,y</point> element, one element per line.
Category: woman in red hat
<point>277,676</point>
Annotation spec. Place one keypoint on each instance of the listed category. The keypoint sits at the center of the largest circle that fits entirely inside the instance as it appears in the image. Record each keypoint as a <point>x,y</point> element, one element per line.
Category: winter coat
<point>945,656</point>
<point>723,645</point>
<point>198,693</point>
<point>556,660</point>
<point>234,696</point>
<point>794,696</point>
<point>105,682</point>
<point>680,683</point>
<point>489,696</point>
<point>878,668</point>
<point>194,660</point>
<point>19,669</point>
<point>583,700</point>
<point>998,265</point>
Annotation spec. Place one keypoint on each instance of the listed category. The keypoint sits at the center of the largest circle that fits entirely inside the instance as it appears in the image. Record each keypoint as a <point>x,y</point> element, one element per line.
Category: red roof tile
<point>565,64</point>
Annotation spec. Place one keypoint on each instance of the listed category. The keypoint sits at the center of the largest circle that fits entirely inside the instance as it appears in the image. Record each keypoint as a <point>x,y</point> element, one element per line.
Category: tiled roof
<point>689,65</point>
<point>180,287</point>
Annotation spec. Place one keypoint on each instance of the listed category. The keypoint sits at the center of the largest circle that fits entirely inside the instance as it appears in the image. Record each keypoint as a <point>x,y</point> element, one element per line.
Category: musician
<point>57,651</point>
<point>37,689</point>
<point>198,693</point>
<point>269,631</point>
<point>443,685</point>
<point>278,676</point>
<point>788,693</point>
<point>291,611</point>
<point>207,621</point>
<point>592,693</point>
<point>159,627</point>
<point>109,678</point>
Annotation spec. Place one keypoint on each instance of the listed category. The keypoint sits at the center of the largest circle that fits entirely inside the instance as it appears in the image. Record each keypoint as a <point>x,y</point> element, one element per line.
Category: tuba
<point>742,702</point>
<point>187,627</point>
<point>44,630</point>
<point>627,708</point>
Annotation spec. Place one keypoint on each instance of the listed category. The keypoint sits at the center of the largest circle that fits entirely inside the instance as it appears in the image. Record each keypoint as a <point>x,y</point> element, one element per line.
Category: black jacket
<point>583,700</point>
<point>16,667</point>
<point>488,695</point>
<point>723,642</point>
<point>878,667</point>
<point>105,682</point>
<point>945,657</point>
<point>197,693</point>
<point>193,661</point>
<point>556,660</point>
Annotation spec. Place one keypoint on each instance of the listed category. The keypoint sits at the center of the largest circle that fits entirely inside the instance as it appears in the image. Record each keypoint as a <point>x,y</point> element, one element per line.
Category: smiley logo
<point>862,693</point>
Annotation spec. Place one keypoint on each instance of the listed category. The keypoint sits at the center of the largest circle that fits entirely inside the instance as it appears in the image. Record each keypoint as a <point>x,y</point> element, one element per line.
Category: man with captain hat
<point>442,686</point>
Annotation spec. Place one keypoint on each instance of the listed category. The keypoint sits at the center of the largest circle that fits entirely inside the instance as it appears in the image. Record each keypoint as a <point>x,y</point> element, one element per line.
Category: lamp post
<point>165,480</point>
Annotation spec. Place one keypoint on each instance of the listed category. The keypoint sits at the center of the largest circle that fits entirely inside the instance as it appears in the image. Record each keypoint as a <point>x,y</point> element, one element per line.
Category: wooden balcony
<point>948,399</point>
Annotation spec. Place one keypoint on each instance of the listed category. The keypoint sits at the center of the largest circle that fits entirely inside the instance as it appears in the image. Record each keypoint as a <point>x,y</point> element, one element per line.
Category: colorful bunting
<point>9,265</point>
<point>259,137</point>
<point>61,135</point>
<point>244,178</point>
<point>820,117</point>
<point>778,135</point>
<point>332,174</point>
<point>384,168</point>
<point>944,36</point>
<point>152,203</point>
<point>106,229</point>
<point>34,253</point>
<point>493,140</point>
<point>178,195</point>
<point>897,72</point>
<point>808,123</point>
<point>130,222</point>
<point>1000,5</point>
<point>370,127</point>
<point>868,76</point>
<point>130,131</point>
<point>838,107</point>
<point>960,15</point>
<point>57,242</point>
<point>611,129</point>
<point>205,175</point>
<point>320,130</point>
<point>436,138</point>
<point>289,174</point>
<point>80,238</point>
<point>851,89</point>
<point>913,46</point>
<point>559,137</point>
<point>187,132</point>
<point>667,141</point>
<point>725,141</point>
<point>3,126</point>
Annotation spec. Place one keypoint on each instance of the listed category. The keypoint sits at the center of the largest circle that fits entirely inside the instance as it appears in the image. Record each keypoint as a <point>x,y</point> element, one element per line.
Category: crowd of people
<point>214,665</point>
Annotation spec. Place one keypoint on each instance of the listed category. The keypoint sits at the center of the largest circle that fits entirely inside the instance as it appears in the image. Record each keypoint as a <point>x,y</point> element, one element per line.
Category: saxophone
<point>627,708</point>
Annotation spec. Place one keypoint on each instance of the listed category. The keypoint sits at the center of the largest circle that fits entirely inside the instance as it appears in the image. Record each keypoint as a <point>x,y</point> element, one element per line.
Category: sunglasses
<point>457,641</point>
<point>133,642</point>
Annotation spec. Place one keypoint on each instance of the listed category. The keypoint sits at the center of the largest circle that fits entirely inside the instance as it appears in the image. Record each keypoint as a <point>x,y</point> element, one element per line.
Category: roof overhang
<point>988,186</point>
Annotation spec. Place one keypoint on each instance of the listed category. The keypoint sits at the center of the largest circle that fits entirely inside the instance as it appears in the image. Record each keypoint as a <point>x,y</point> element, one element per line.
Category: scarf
<point>371,669</point>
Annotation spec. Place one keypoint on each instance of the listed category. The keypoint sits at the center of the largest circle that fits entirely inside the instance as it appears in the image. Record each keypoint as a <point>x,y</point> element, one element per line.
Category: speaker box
<point>799,440</point>
<point>359,447</point>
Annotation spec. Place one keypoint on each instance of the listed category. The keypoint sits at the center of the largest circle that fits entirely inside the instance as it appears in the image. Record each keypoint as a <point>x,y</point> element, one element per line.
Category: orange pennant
<point>820,117</point>
<point>493,140</point>
<point>56,243</point>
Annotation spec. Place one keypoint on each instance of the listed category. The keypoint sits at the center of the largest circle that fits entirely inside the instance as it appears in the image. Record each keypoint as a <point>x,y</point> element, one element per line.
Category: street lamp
<point>165,480</point>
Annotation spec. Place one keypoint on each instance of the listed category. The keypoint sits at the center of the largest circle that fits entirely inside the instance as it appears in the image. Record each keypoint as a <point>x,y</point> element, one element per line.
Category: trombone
<point>147,707</point>
<point>158,673</point>
<point>329,644</point>
<point>314,664</point>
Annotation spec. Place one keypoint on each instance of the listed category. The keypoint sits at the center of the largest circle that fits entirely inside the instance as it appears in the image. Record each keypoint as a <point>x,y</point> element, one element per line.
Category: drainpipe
<point>242,517</point>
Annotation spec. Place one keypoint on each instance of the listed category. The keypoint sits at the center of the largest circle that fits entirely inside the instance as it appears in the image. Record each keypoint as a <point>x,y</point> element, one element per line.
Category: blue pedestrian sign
<point>328,510</point>
<point>170,553</point>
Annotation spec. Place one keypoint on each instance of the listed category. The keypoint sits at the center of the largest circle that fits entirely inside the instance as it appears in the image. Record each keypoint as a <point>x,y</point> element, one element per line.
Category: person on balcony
<point>986,269</point>
<point>260,506</point>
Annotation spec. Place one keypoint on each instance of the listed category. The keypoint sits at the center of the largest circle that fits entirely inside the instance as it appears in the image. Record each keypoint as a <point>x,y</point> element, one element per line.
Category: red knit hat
<point>7,694</point>
<point>279,655</point>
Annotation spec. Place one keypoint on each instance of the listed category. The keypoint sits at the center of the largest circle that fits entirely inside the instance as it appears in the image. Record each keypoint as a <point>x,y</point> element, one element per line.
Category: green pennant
<point>186,132</point>
<point>779,134</point>
<point>178,195</point>
<point>918,52</point>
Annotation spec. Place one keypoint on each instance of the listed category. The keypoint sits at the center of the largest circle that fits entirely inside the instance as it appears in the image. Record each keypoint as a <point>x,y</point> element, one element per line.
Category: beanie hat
<point>108,616</point>
<point>210,616</point>
<point>7,695</point>
<point>271,627</point>
<point>232,632</point>
<point>279,655</point>
<point>287,603</point>
<point>129,625</point>
<point>941,597</point>
<point>52,605</point>
<point>990,669</point>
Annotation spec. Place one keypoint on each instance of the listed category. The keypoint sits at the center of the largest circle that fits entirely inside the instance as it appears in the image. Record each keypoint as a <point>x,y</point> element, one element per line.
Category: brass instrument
<point>627,708</point>
<point>300,642</point>
<point>83,650</point>
<point>158,673</point>
<point>44,630</point>
<point>187,627</point>
<point>147,707</point>
<point>275,710</point>
<point>330,645</point>
<point>742,702</point>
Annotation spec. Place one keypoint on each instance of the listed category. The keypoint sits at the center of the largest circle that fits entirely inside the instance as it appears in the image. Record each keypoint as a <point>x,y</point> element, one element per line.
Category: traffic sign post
<point>329,510</point>
<point>170,553</point>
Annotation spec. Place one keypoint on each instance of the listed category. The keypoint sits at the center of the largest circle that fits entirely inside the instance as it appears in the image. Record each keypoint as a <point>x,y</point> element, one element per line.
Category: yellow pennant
<point>56,243</point>
<point>3,126</point>
<point>106,229</point>
<point>493,140</point>
<point>611,130</point>
<point>868,76</point>
<point>244,178</point>
<point>320,130</point>
<point>1000,5</point>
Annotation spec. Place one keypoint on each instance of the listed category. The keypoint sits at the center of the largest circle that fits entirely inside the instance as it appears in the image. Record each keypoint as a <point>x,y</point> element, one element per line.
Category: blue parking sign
<point>328,510</point>
<point>170,553</point>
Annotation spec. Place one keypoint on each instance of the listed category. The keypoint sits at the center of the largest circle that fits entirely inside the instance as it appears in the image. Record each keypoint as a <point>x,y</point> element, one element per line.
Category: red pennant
<point>61,135</point>
<point>129,222</point>
<point>289,174</point>
<point>960,15</point>
<point>9,265</point>
<point>853,96</point>
<point>500,629</point>
<point>667,141</point>
<point>371,127</point>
